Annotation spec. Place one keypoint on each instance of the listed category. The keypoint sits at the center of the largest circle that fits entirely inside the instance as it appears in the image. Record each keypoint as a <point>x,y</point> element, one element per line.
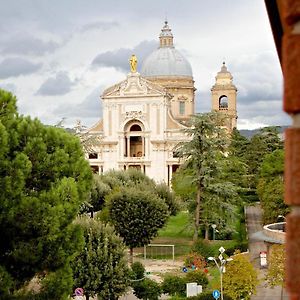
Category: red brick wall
<point>290,18</point>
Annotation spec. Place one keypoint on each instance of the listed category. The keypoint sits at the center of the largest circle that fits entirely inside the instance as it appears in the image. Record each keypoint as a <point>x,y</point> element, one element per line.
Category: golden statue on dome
<point>133,63</point>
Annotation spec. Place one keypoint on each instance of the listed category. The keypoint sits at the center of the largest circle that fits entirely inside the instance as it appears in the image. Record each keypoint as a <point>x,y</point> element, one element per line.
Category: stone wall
<point>275,231</point>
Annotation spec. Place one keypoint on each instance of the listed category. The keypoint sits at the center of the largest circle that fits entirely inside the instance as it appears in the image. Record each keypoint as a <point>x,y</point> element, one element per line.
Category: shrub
<point>203,247</point>
<point>197,276</point>
<point>147,289</point>
<point>138,270</point>
<point>163,191</point>
<point>195,259</point>
<point>174,285</point>
<point>144,288</point>
<point>206,249</point>
<point>208,296</point>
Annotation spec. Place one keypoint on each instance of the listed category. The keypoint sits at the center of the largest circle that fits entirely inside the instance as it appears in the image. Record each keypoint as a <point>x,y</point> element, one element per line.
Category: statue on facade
<point>133,63</point>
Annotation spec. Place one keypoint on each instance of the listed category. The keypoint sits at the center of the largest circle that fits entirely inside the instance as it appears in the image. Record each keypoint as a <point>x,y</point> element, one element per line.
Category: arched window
<point>223,102</point>
<point>135,127</point>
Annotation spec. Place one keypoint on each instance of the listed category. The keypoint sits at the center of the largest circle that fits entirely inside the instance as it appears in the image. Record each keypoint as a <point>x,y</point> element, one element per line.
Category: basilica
<point>145,114</point>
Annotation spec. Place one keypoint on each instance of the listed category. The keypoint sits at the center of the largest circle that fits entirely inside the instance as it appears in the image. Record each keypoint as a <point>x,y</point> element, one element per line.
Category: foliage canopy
<point>101,267</point>
<point>240,279</point>
<point>44,179</point>
<point>136,215</point>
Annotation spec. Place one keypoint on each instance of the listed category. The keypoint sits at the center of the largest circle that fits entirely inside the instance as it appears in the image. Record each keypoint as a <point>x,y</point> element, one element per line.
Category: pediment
<point>133,86</point>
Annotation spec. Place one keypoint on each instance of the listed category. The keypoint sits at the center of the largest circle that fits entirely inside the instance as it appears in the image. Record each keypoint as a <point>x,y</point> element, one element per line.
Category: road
<point>254,224</point>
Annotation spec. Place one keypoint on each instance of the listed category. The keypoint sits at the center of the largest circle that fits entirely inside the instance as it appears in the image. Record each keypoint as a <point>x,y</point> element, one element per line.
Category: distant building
<point>143,116</point>
<point>223,96</point>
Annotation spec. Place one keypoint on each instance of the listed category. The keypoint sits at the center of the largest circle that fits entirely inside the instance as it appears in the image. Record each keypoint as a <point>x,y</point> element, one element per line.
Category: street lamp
<point>214,226</point>
<point>221,266</point>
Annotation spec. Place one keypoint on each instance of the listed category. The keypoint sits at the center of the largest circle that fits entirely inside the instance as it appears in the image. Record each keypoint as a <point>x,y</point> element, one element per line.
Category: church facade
<point>145,114</point>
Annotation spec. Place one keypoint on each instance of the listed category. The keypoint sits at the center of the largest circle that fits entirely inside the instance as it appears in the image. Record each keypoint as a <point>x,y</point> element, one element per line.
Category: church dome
<point>166,60</point>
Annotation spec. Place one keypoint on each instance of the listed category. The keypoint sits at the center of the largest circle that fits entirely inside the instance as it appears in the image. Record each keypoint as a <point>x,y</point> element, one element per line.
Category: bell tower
<point>223,96</point>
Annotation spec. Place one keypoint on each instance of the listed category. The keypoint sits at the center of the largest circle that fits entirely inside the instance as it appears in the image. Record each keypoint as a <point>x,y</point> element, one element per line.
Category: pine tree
<point>270,187</point>
<point>44,178</point>
<point>208,142</point>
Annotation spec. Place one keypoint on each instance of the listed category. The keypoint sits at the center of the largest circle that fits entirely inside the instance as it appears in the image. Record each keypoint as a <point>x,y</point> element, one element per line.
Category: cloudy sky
<point>58,56</point>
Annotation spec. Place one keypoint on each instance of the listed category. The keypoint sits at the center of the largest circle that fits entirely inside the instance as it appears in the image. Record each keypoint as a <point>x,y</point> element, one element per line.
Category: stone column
<point>128,146</point>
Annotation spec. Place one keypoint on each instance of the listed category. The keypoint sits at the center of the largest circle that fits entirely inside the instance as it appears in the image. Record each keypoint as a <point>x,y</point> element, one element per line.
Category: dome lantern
<point>166,36</point>
<point>224,68</point>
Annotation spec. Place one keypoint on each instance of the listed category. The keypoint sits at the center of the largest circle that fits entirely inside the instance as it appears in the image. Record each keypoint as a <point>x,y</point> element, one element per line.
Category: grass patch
<point>182,248</point>
<point>179,226</point>
<point>214,279</point>
<point>179,232</point>
<point>227,244</point>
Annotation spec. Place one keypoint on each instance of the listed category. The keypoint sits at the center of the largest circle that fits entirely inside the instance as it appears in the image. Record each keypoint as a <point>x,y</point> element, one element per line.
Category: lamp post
<point>221,266</point>
<point>214,226</point>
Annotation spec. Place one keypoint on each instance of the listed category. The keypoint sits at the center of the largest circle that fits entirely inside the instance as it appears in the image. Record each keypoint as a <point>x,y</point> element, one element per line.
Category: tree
<point>88,141</point>
<point>208,141</point>
<point>44,179</point>
<point>168,196</point>
<point>101,267</point>
<point>129,178</point>
<point>262,143</point>
<point>197,276</point>
<point>174,285</point>
<point>270,186</point>
<point>143,287</point>
<point>276,262</point>
<point>98,193</point>
<point>147,289</point>
<point>240,279</point>
<point>238,145</point>
<point>136,214</point>
<point>113,180</point>
<point>184,187</point>
<point>218,206</point>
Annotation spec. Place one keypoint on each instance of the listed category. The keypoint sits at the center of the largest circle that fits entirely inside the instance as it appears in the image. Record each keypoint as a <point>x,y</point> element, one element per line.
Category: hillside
<point>248,133</point>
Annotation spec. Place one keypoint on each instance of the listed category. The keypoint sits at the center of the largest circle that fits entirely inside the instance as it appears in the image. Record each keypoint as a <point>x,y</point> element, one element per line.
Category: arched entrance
<point>134,139</point>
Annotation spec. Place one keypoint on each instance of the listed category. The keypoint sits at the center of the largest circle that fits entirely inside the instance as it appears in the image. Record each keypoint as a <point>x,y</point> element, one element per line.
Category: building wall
<point>182,89</point>
<point>138,102</point>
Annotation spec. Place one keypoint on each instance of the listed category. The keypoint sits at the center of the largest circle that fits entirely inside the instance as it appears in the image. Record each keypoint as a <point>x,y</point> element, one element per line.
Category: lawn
<point>179,232</point>
<point>179,226</point>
